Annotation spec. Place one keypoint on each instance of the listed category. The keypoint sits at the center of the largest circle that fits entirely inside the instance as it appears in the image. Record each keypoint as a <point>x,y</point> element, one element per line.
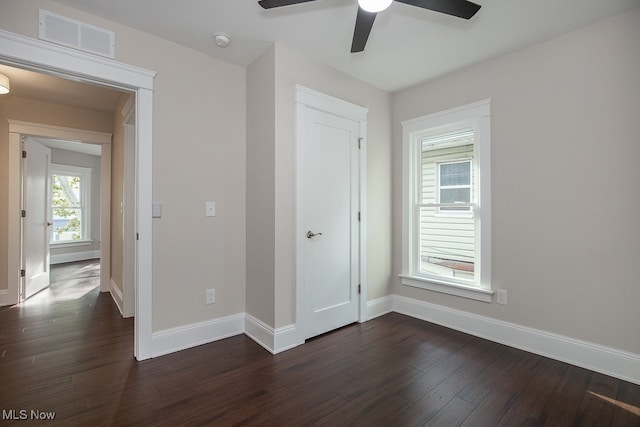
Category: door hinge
<point>23,272</point>
<point>137,236</point>
<point>23,213</point>
<point>360,140</point>
<point>24,154</point>
<point>359,289</point>
<point>358,216</point>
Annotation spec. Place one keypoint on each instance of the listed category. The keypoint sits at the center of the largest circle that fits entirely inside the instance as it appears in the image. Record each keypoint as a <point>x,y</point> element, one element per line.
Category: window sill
<point>448,287</point>
<point>70,244</point>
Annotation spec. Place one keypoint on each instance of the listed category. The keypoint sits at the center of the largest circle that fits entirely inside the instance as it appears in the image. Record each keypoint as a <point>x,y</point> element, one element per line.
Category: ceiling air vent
<point>78,35</point>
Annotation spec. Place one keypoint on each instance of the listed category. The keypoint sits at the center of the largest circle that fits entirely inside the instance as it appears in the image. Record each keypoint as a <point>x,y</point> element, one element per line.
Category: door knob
<point>311,234</point>
<point>49,224</point>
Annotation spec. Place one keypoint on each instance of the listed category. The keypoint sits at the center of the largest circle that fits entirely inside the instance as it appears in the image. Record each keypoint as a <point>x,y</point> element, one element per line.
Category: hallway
<point>69,281</point>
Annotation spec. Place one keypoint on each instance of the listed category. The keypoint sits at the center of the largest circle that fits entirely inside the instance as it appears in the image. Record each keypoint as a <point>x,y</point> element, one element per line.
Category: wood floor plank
<point>428,406</point>
<point>69,351</point>
<point>452,414</point>
<point>598,402</point>
<point>530,408</point>
<point>627,405</point>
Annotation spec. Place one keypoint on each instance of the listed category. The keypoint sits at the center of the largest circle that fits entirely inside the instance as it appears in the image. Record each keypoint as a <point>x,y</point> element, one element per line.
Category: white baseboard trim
<point>608,361</point>
<point>117,296</point>
<point>74,256</point>
<point>379,307</point>
<point>286,338</point>
<point>183,337</point>
<point>273,340</point>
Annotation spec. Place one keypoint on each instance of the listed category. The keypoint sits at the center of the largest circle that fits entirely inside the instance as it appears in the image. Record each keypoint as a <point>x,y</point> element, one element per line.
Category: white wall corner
<point>273,340</point>
<point>379,307</point>
<point>260,332</point>
<point>608,361</point>
<point>183,337</point>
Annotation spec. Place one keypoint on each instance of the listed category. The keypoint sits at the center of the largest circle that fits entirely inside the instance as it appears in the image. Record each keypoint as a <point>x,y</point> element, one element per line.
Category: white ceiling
<point>407,46</point>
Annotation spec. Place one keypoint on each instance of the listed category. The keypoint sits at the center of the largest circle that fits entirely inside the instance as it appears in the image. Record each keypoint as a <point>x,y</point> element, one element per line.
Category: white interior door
<point>331,205</point>
<point>36,195</point>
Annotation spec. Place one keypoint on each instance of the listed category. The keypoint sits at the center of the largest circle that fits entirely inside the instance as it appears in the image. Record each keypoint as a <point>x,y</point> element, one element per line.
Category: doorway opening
<point>28,53</point>
<point>38,146</point>
<point>62,205</point>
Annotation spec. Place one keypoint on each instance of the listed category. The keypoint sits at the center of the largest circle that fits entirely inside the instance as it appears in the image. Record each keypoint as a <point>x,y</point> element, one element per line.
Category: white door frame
<point>311,99</point>
<point>25,52</point>
<point>128,224</point>
<point>17,128</point>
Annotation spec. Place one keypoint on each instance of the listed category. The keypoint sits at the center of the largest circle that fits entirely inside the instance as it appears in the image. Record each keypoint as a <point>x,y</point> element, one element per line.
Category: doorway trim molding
<point>311,99</point>
<point>127,307</point>
<point>25,52</point>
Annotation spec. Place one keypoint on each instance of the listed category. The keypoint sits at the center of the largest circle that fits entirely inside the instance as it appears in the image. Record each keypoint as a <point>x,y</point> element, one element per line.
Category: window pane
<point>67,224</point>
<point>455,173</point>
<point>447,245</point>
<point>455,195</point>
<point>66,191</point>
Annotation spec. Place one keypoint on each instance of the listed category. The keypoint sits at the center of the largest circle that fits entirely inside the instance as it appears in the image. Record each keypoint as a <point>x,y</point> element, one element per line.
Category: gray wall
<point>565,175</point>
<point>272,80</point>
<point>261,188</point>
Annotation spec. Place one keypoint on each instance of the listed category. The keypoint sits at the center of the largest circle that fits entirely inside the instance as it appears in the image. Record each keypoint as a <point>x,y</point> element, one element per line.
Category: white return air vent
<point>78,35</point>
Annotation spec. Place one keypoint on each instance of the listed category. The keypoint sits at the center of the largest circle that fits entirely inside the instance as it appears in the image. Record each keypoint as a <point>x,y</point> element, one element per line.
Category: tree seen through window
<point>66,208</point>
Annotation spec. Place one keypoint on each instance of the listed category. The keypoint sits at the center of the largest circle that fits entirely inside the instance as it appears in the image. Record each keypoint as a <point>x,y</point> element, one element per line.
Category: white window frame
<point>474,116</point>
<point>449,213</point>
<point>85,196</point>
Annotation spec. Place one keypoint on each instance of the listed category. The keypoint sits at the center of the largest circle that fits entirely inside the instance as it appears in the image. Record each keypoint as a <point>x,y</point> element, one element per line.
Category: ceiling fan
<point>368,9</point>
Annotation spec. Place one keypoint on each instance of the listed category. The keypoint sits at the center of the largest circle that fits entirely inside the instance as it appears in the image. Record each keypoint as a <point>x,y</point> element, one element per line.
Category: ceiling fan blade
<point>268,4</point>
<point>460,8</point>
<point>364,22</point>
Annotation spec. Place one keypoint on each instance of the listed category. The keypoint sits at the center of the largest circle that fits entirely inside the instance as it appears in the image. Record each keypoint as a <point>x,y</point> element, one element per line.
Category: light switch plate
<point>210,208</point>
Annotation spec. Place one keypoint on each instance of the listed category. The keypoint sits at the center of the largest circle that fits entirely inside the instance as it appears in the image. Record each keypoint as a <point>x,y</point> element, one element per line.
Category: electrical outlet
<point>211,296</point>
<point>156,210</point>
<point>501,296</point>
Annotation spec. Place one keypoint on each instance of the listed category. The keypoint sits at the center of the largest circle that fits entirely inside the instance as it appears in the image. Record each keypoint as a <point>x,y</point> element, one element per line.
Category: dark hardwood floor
<point>72,355</point>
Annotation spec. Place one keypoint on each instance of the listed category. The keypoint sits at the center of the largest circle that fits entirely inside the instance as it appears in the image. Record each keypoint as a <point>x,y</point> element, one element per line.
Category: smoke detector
<point>222,39</point>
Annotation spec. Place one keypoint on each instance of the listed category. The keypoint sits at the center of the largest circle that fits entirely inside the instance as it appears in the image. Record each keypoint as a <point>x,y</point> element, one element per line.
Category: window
<point>70,204</point>
<point>454,186</point>
<point>446,202</point>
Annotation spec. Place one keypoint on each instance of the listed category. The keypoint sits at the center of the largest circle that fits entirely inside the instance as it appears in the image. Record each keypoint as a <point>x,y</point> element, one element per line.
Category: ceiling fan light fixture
<point>374,6</point>
<point>4,84</point>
